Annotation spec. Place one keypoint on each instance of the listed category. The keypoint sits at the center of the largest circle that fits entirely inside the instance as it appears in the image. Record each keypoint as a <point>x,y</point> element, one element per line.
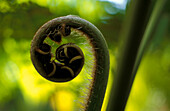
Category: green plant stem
<point>149,31</point>
<point>134,28</point>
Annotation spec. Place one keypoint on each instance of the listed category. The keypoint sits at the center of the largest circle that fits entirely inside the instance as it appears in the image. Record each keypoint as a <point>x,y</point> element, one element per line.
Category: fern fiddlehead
<point>59,56</point>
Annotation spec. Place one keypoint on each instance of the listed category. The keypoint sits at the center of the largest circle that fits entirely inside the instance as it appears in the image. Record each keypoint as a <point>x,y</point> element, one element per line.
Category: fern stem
<point>149,30</point>
<point>133,32</point>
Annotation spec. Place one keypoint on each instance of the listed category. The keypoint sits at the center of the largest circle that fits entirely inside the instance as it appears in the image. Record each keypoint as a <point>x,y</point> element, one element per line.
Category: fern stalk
<point>136,22</point>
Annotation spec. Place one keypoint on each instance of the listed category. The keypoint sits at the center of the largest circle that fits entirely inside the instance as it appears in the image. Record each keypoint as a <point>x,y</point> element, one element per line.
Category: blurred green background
<point>23,89</point>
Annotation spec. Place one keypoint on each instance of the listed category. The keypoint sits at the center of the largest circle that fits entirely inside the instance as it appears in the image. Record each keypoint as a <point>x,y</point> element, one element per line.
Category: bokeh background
<point>23,89</point>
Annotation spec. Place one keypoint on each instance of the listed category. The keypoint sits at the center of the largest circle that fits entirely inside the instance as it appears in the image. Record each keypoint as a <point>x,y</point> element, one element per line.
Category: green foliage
<point>21,88</point>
